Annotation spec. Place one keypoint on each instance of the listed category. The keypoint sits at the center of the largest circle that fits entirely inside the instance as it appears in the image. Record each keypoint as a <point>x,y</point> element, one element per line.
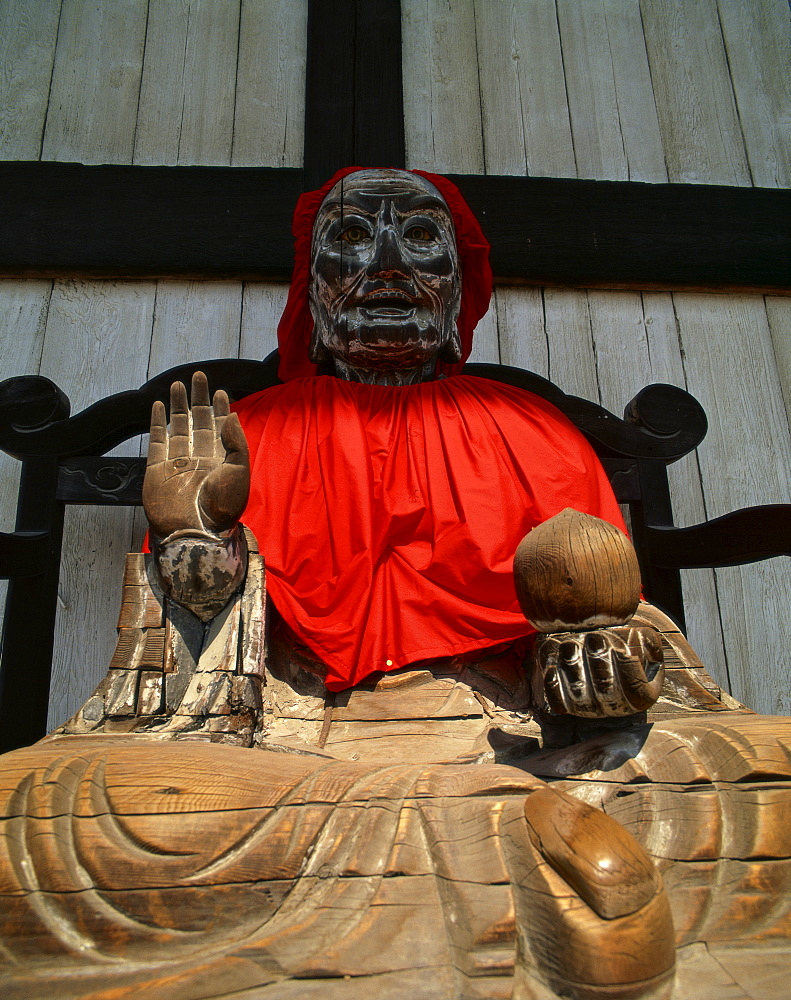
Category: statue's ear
<point>450,352</point>
<point>317,352</point>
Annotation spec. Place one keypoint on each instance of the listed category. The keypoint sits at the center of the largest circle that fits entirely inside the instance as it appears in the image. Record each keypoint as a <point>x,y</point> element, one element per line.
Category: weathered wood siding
<point>650,91</point>
<point>655,91</point>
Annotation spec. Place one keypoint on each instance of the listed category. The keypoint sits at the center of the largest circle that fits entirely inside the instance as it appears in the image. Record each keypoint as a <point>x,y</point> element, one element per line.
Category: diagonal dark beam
<point>354,109</point>
<point>235,222</point>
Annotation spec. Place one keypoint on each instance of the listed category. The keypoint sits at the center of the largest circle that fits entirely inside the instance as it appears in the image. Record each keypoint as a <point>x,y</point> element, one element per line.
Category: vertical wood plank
<point>758,43</point>
<point>523,337</point>
<point>188,89</point>
<point>96,343</point>
<point>778,311</point>
<point>524,107</point>
<point>571,357</point>
<point>611,99</point>
<point>27,52</point>
<point>194,321</point>
<point>485,341</point>
<point>264,303</point>
<point>745,460</point>
<point>636,344</point>
<point>270,84</point>
<point>96,81</point>
<point>442,115</point>
<point>701,135</point>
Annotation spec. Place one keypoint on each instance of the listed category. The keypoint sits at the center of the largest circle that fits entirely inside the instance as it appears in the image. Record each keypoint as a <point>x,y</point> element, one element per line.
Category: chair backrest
<point>63,462</point>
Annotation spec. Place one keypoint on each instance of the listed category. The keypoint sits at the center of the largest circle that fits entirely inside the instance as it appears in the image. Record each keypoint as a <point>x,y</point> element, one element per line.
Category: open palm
<point>198,472</point>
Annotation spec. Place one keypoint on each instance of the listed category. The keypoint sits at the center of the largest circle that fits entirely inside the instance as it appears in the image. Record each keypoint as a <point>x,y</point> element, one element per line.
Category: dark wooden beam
<point>125,221</point>
<point>622,234</point>
<point>235,222</point>
<point>354,109</point>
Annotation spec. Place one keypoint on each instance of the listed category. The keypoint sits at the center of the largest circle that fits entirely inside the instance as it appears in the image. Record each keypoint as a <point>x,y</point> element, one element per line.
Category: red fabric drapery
<point>389,515</point>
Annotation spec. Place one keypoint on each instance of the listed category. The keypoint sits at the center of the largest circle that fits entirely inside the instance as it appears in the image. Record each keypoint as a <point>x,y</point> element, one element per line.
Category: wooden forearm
<point>201,570</point>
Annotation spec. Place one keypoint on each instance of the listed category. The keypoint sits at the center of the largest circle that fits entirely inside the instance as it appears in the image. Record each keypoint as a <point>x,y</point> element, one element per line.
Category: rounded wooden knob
<point>576,572</point>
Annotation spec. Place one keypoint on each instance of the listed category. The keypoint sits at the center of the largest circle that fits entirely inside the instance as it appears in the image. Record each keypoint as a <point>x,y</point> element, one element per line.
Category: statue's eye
<point>418,233</point>
<point>355,234</point>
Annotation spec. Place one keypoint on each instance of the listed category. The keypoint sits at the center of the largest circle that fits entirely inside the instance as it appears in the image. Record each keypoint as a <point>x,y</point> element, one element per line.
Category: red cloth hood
<point>389,515</point>
<point>296,323</point>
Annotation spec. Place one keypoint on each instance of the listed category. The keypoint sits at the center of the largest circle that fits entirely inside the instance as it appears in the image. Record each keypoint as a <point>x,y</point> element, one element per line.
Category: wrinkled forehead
<point>367,190</point>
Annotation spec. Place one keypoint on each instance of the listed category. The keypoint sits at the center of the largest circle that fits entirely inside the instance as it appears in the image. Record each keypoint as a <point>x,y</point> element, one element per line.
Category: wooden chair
<point>63,462</point>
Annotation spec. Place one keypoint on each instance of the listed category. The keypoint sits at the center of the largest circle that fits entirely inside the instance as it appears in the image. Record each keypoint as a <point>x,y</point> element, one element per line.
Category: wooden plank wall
<point>133,81</point>
<point>615,89</point>
<point>655,91</point>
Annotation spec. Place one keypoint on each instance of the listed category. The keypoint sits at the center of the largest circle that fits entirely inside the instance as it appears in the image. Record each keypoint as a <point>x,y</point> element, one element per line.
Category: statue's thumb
<point>234,442</point>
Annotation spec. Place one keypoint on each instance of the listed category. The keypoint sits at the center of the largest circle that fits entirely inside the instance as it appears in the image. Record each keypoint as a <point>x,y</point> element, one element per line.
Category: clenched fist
<point>611,672</point>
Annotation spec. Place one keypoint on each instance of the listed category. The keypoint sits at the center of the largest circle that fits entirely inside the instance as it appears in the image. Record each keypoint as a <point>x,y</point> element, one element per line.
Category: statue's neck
<point>370,376</point>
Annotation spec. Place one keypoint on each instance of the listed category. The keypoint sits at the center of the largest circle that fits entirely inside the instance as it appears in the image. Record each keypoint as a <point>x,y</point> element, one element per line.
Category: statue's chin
<point>387,344</point>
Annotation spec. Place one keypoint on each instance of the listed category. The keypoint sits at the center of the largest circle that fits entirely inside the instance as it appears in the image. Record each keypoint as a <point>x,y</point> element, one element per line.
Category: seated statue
<point>387,715</point>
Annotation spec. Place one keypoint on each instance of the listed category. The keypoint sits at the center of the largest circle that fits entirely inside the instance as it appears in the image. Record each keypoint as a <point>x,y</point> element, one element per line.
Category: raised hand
<point>198,473</point>
<point>611,672</point>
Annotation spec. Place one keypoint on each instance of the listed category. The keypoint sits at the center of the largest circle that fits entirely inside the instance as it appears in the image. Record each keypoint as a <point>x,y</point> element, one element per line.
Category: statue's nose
<point>388,255</point>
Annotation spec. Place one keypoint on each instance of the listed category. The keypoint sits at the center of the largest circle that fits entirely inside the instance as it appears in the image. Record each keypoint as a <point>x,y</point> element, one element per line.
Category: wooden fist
<point>611,672</point>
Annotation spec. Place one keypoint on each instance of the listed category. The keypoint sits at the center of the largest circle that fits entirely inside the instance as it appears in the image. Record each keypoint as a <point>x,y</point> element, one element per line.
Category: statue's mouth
<point>388,302</point>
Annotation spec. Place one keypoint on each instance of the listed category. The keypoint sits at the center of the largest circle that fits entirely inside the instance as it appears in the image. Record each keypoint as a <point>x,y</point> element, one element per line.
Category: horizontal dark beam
<point>235,222</point>
<point>124,221</point>
<point>624,234</point>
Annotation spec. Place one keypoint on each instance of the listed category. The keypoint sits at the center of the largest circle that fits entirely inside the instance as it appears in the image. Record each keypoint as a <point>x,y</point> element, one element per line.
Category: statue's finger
<point>573,676</point>
<point>553,692</point>
<point>179,445</point>
<point>158,435</point>
<point>234,442</point>
<point>641,677</point>
<point>602,650</point>
<point>222,408</point>
<point>203,431</point>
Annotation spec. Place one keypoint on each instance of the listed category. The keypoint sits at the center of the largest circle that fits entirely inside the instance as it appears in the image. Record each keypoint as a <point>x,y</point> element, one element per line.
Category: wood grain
<point>611,100</point>
<point>27,53</point>
<point>572,361</point>
<point>186,107</point>
<point>524,105</point>
<point>698,119</point>
<point>778,313</point>
<point>262,307</point>
<point>758,46</point>
<point>746,459</point>
<point>95,82</point>
<point>441,96</point>
<point>270,84</point>
<point>105,328</point>
<point>520,324</point>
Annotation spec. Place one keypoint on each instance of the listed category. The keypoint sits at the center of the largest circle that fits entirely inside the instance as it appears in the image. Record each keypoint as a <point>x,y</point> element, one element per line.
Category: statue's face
<point>385,289</point>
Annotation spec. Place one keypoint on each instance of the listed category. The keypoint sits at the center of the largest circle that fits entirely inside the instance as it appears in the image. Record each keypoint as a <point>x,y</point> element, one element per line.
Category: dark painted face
<point>385,289</point>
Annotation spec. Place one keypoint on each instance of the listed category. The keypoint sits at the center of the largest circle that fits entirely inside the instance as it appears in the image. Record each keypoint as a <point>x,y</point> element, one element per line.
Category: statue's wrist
<point>199,569</point>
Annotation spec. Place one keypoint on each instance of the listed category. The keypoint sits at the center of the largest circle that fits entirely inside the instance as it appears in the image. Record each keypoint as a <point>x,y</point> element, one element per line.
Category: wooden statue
<point>597,820</point>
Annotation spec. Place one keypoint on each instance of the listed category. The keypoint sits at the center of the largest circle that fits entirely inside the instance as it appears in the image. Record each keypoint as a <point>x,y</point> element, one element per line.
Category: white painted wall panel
<point>270,84</point>
<point>27,53</point>
<point>700,127</point>
<point>96,82</point>
<point>524,106</point>
<point>758,45</point>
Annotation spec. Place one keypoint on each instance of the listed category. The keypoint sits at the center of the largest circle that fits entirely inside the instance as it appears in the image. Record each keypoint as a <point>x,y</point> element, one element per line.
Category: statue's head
<point>385,286</point>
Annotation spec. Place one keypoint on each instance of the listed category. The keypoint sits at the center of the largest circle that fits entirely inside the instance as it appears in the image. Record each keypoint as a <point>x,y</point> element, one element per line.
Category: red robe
<point>389,516</point>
